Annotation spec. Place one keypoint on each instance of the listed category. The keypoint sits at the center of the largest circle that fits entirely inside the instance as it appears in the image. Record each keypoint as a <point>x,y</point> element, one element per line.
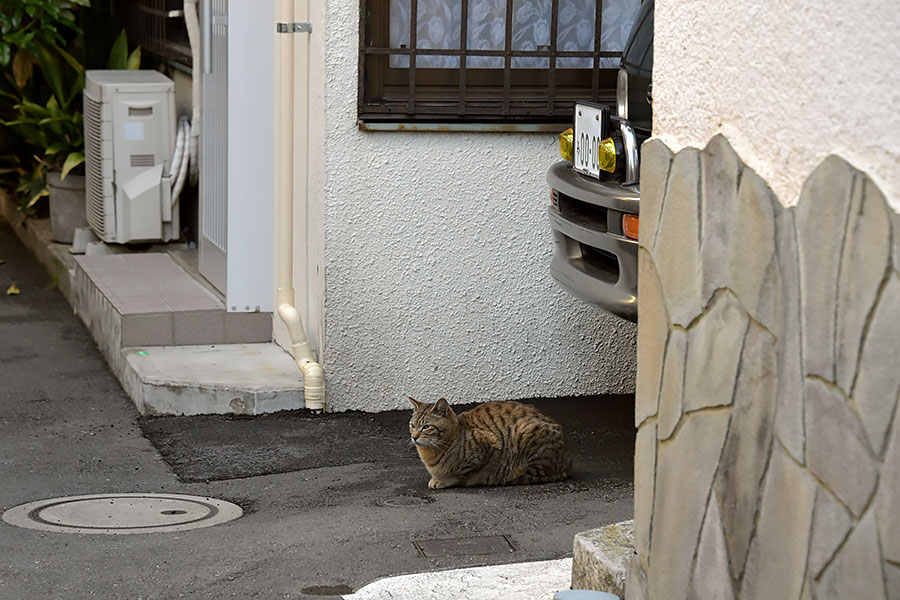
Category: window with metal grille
<point>492,61</point>
<point>149,24</point>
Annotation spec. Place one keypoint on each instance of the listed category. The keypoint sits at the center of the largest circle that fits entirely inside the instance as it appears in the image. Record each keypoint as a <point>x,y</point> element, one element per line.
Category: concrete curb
<point>601,557</point>
<point>532,580</point>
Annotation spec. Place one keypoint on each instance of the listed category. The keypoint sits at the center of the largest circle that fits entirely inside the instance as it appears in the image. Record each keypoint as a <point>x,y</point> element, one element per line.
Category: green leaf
<point>82,2</point>
<point>73,62</point>
<point>5,54</point>
<point>36,197</point>
<point>134,59</point>
<point>52,70</point>
<point>73,160</point>
<point>118,56</point>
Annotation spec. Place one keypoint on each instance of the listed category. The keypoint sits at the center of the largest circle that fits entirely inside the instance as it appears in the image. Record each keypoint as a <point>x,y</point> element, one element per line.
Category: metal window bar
<point>461,105</point>
<point>149,25</point>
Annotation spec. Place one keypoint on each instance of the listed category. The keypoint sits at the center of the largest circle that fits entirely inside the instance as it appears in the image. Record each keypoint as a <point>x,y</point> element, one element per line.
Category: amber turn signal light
<point>630,226</point>
<point>566,139</point>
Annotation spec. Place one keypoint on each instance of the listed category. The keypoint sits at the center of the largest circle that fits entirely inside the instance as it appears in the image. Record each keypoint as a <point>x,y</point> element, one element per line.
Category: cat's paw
<point>436,484</point>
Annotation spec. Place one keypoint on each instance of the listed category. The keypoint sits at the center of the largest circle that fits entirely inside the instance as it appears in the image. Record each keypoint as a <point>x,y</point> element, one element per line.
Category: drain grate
<point>469,546</point>
<point>122,513</point>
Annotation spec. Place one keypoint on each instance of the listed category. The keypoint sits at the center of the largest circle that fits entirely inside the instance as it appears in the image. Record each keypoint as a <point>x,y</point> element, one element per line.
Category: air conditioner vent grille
<point>143,160</point>
<point>93,126</point>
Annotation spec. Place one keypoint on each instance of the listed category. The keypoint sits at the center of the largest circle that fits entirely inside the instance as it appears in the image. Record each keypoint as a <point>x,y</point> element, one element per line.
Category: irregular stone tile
<point>749,443</point>
<point>821,217</point>
<point>879,378</point>
<point>831,523</point>
<point>837,451</point>
<point>888,498</point>
<point>677,250</point>
<point>712,578</point>
<point>670,393</point>
<point>895,240</point>
<point>651,339</point>
<point>685,467</point>
<point>636,582</point>
<point>720,170</point>
<point>856,570</point>
<point>789,412</point>
<point>777,559</point>
<point>714,349</point>
<point>644,475</point>
<point>892,580</point>
<point>864,261</point>
<point>752,269</point>
<point>656,159</point>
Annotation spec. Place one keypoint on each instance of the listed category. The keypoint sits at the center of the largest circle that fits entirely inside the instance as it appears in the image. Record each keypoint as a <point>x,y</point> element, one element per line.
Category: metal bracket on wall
<point>293,27</point>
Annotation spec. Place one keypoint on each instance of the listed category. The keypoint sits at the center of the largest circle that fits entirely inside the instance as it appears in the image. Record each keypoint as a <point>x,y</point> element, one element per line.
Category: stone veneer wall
<point>767,462</point>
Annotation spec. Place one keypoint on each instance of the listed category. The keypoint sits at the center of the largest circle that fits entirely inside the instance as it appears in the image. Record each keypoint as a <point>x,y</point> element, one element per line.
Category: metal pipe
<point>313,375</point>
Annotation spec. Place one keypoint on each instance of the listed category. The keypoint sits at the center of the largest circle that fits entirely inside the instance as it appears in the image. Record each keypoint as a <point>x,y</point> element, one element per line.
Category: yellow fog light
<point>606,155</point>
<point>566,139</point>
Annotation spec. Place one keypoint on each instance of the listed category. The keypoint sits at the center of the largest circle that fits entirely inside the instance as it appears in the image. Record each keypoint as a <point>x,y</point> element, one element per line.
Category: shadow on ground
<point>212,448</point>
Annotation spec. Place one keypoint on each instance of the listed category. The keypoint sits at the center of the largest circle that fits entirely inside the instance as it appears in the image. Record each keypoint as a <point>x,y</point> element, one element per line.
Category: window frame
<point>464,94</point>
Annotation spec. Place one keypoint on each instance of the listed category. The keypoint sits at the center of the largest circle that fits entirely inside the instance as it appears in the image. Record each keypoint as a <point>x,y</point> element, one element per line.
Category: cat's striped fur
<point>496,443</point>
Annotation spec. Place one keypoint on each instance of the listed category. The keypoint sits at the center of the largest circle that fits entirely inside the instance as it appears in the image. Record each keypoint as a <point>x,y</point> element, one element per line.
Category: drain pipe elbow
<point>313,384</point>
<point>313,375</point>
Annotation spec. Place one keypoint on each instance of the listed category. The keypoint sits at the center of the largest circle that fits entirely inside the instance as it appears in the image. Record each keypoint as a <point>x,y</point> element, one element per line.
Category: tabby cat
<point>496,443</point>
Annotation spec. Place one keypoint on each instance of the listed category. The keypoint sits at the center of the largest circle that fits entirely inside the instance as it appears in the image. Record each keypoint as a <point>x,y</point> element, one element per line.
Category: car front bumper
<point>592,260</point>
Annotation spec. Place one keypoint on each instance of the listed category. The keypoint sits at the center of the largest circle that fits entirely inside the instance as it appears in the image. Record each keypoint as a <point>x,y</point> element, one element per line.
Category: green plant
<point>42,114</point>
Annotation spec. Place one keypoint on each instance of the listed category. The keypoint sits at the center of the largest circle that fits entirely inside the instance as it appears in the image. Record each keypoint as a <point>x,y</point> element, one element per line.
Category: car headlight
<point>622,94</point>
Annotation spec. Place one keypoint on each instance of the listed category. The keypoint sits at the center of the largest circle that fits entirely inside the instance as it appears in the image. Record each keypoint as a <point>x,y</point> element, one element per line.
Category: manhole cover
<point>470,546</point>
<point>122,513</point>
<point>402,501</point>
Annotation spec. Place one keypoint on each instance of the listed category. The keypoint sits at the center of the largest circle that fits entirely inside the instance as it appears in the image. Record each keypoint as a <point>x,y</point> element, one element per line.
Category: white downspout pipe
<point>313,376</point>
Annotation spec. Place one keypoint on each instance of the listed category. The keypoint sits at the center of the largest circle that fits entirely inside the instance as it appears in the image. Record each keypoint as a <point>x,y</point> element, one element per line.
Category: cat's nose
<point>416,434</point>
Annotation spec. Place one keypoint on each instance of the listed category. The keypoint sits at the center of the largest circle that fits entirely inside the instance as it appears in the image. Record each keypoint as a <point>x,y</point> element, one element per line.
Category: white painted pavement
<point>521,581</point>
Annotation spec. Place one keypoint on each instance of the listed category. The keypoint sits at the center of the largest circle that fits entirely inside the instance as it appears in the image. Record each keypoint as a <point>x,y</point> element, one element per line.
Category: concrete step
<point>152,301</point>
<point>600,558</point>
<point>246,379</point>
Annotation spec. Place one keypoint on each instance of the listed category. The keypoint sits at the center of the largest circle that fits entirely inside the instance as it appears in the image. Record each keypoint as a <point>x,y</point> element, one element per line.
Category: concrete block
<point>600,558</point>
<point>198,327</point>
<point>192,380</point>
<point>147,329</point>
<point>248,328</point>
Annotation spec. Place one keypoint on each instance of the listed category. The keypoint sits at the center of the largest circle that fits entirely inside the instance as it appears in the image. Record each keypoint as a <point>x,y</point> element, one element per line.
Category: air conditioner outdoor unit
<point>129,135</point>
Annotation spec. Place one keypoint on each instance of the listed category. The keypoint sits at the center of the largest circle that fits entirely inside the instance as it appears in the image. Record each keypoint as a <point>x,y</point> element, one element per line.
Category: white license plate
<point>590,129</point>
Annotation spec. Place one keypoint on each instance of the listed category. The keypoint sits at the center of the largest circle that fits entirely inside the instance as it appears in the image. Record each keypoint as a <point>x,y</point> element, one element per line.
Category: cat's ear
<point>418,405</point>
<point>441,408</point>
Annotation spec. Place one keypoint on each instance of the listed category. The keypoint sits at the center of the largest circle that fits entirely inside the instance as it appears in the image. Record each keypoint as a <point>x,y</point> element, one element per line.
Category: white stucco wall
<point>436,253</point>
<point>787,83</point>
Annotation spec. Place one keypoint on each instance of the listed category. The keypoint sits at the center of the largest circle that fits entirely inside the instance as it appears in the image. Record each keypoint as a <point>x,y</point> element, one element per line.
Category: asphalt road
<point>313,488</point>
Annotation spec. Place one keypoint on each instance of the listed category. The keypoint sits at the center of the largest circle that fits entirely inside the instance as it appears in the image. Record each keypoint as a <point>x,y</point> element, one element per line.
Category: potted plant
<point>51,128</point>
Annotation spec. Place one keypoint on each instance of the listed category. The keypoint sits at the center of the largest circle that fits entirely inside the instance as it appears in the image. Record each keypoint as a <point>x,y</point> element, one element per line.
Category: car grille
<point>589,216</point>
